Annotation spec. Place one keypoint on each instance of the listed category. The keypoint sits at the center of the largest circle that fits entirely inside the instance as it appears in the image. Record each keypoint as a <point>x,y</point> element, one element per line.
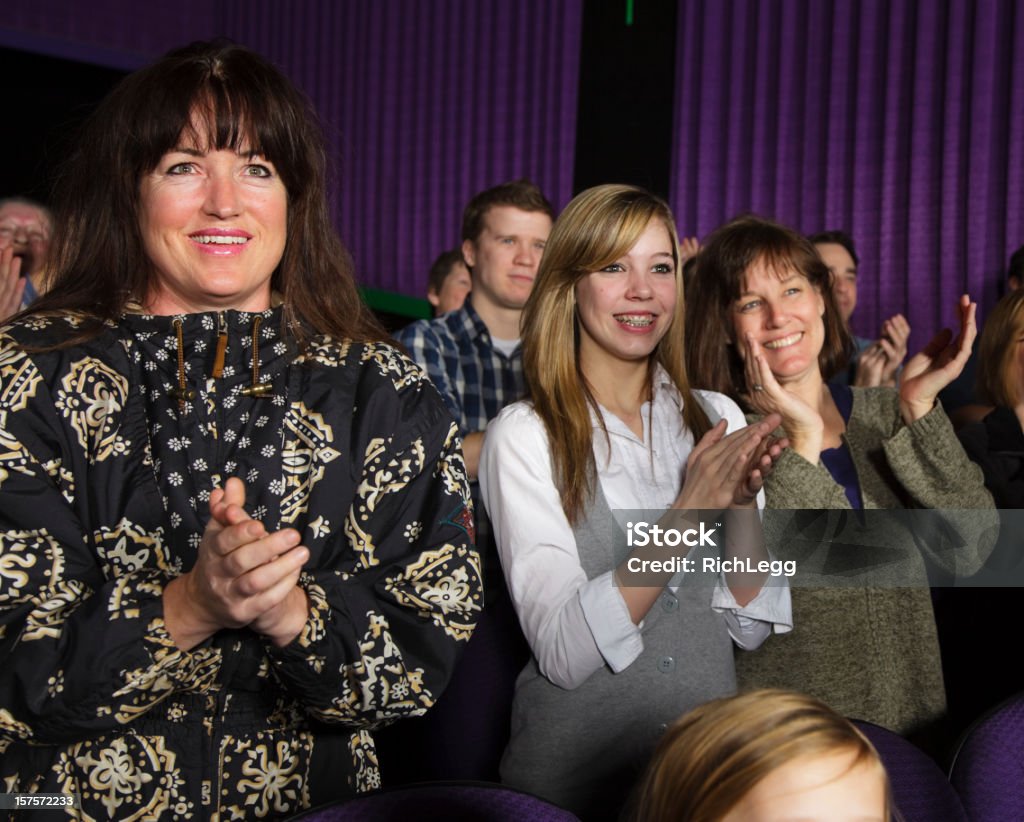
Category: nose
<point>17,234</point>
<point>222,198</point>
<point>775,314</point>
<point>638,286</point>
<point>527,254</point>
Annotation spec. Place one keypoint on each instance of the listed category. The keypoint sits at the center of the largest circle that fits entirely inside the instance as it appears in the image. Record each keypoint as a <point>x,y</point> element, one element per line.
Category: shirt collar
<point>469,321</point>
<point>664,394</point>
<point>475,327</point>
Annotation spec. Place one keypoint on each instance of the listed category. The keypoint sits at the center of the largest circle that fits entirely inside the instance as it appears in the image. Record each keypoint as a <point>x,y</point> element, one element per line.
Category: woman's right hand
<point>803,424</point>
<point>12,284</point>
<point>242,573</point>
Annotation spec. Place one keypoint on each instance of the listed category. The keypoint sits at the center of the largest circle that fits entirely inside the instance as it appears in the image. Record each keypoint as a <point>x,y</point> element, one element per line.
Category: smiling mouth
<point>218,239</point>
<point>785,342</point>
<point>635,320</point>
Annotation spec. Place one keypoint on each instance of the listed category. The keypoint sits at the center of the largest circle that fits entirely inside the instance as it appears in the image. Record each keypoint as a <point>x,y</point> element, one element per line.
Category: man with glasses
<point>24,240</point>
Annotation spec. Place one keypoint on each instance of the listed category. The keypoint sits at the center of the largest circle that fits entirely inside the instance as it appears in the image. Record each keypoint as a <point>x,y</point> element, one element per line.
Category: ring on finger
<point>757,386</point>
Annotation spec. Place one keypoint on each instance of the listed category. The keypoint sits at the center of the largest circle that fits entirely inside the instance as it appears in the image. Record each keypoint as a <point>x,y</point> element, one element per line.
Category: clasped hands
<point>728,470</point>
<point>243,577</point>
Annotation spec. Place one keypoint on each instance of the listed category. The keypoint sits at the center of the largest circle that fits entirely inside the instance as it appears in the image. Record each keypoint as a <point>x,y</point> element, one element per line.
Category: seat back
<point>920,790</point>
<point>448,801</point>
<point>988,768</point>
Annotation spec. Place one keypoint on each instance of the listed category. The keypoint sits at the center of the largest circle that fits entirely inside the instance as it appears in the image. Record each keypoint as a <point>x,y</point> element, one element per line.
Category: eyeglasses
<point>23,233</point>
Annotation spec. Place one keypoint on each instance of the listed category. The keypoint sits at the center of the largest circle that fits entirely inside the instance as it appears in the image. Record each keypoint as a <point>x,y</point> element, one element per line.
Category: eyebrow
<point>195,152</point>
<point>788,279</point>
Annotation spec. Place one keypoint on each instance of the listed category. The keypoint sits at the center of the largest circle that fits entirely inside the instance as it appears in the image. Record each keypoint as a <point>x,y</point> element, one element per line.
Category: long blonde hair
<point>714,755</point>
<point>598,227</point>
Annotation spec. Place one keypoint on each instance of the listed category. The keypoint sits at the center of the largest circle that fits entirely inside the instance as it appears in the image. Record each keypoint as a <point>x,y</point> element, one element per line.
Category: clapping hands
<point>938,364</point>
<point>244,576</point>
<point>727,471</point>
<point>880,362</point>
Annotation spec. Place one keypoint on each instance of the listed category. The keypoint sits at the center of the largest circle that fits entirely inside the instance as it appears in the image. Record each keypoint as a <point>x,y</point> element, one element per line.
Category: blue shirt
<point>475,379</point>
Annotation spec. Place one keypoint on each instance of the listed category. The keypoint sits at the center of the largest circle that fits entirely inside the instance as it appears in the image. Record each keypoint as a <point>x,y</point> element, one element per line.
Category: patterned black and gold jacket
<point>109,450</point>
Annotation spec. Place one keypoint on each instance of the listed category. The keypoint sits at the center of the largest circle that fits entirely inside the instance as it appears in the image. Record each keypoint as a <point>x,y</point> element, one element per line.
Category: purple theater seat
<point>447,801</point>
<point>463,736</point>
<point>920,789</point>
<point>988,768</point>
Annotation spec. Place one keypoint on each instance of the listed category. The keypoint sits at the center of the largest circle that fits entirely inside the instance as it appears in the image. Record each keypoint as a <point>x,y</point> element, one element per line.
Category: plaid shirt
<point>476,381</point>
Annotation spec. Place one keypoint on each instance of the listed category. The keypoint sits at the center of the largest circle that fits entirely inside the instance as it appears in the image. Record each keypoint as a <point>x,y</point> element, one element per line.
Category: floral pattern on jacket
<point>106,471</point>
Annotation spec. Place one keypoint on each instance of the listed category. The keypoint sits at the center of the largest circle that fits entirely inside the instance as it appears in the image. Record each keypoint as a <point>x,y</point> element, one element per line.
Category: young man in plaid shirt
<point>472,355</point>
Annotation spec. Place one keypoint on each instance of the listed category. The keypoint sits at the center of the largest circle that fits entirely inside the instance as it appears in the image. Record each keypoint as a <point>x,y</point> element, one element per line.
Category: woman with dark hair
<point>611,423</point>
<point>234,520</point>
<point>762,326</point>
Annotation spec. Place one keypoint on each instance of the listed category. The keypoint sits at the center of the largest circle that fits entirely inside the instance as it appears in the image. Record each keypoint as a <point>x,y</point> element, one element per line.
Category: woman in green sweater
<point>865,643</point>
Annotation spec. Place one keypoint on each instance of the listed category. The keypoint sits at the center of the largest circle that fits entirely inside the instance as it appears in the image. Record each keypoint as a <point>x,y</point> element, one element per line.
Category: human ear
<point>469,254</point>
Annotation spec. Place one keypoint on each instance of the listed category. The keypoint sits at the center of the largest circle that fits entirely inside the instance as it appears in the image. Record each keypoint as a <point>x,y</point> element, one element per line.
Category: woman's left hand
<point>938,364</point>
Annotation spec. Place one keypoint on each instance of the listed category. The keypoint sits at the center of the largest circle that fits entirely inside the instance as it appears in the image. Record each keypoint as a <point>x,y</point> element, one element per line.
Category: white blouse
<point>575,625</point>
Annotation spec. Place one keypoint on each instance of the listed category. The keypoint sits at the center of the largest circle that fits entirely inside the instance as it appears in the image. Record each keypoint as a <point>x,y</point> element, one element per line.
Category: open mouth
<point>785,342</point>
<point>635,320</point>
<point>219,239</point>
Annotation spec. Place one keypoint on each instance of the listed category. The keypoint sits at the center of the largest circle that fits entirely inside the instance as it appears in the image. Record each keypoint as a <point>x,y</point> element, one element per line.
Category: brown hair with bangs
<point>211,95</point>
<point>713,756</point>
<point>712,357</point>
<point>599,226</point>
<point>999,375</point>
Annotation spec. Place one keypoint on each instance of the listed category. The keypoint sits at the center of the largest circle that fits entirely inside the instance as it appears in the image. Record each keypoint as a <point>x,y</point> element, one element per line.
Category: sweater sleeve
<point>931,464</point>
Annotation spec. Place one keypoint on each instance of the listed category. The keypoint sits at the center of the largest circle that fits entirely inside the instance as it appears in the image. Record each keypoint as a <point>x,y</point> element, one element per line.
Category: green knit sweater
<point>872,652</point>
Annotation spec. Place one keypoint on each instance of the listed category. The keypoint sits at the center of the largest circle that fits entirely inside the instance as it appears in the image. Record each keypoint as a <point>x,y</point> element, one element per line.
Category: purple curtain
<point>425,102</point>
<point>114,33</point>
<point>901,121</point>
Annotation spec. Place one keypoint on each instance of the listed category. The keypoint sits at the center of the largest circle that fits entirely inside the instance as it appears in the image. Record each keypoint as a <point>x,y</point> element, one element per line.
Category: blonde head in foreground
<point>764,756</point>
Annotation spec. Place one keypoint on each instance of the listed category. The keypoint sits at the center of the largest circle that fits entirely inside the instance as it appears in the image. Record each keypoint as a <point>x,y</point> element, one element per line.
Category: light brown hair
<point>999,377</point>
<point>714,755</point>
<point>595,229</point>
<point>521,194</point>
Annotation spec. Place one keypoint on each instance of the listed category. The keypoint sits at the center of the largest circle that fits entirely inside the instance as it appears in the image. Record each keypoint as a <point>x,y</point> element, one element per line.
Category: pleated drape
<point>901,121</point>
<point>425,102</point>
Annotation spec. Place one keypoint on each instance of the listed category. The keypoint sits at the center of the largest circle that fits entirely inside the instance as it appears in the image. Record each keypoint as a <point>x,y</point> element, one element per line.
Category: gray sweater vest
<point>584,748</point>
